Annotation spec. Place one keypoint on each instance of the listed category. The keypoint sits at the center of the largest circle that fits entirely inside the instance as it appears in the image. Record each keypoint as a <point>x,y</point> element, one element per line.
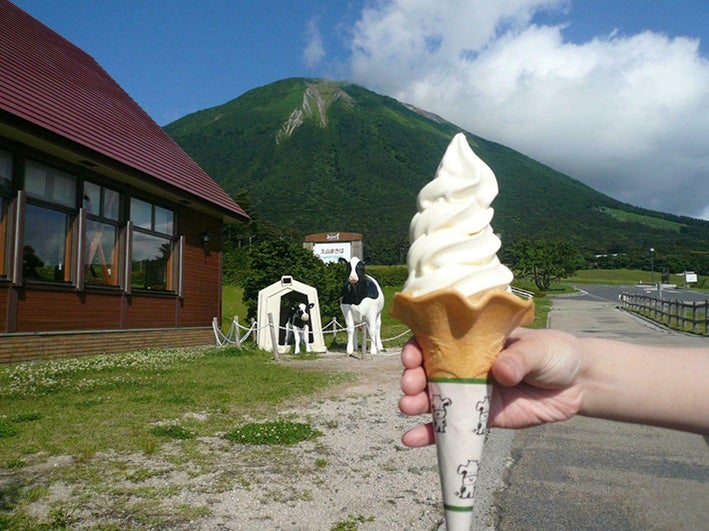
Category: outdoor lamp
<point>205,237</point>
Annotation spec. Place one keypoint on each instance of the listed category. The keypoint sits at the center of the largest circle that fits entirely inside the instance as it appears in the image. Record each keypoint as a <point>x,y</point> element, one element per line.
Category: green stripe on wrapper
<point>439,379</point>
<point>458,508</point>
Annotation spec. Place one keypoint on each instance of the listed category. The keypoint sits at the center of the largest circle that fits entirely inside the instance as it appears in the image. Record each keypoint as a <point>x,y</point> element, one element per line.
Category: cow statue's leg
<point>306,334</point>
<point>297,340</point>
<point>289,331</point>
<point>351,337</point>
<point>374,325</point>
<point>378,326</point>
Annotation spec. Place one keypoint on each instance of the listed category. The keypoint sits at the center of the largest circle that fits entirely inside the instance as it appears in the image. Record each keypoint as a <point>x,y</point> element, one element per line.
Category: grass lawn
<point>87,405</point>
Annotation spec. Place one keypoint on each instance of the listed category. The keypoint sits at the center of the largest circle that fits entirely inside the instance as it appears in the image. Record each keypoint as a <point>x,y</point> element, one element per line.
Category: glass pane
<point>111,204</point>
<point>49,184</point>
<point>150,258</point>
<point>63,189</point>
<point>101,256</point>
<point>5,173</point>
<point>37,181</point>
<point>92,198</point>
<point>163,220</point>
<point>141,213</point>
<point>45,240</point>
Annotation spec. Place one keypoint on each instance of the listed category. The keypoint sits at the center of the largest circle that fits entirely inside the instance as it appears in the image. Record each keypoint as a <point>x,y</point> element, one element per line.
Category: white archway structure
<point>269,301</point>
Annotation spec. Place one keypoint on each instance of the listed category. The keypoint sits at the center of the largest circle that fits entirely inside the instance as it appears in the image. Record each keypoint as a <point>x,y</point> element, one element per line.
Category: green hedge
<point>389,275</point>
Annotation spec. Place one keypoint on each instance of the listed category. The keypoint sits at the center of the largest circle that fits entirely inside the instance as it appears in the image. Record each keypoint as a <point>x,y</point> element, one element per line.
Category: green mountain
<point>321,156</point>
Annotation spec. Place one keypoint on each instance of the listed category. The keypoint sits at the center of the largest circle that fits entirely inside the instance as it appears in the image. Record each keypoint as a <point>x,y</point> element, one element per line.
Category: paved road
<point>610,293</point>
<point>594,474</point>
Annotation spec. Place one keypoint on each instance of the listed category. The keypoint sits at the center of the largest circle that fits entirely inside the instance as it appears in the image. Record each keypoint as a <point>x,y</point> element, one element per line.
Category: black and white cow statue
<point>298,324</point>
<point>362,302</point>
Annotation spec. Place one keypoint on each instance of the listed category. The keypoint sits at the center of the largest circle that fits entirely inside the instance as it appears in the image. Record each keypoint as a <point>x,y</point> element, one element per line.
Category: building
<point>110,232</point>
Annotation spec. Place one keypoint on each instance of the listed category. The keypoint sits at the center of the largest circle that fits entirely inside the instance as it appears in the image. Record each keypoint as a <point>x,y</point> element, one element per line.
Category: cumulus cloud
<point>315,49</point>
<point>628,115</point>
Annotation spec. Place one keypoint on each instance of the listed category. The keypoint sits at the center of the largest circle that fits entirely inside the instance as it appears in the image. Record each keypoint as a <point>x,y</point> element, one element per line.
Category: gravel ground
<point>367,478</point>
<point>356,476</point>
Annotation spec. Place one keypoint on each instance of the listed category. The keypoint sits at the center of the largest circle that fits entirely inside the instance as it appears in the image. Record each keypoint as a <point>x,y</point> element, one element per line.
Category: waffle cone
<point>461,337</point>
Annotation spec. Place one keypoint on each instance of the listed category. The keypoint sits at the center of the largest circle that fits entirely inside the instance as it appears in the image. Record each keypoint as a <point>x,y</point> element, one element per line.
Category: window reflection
<point>141,214</point>
<point>111,204</point>
<point>46,241</point>
<point>101,254</point>
<point>149,262</point>
<point>163,220</point>
<point>50,184</point>
<point>5,193</point>
<point>5,173</point>
<point>92,198</point>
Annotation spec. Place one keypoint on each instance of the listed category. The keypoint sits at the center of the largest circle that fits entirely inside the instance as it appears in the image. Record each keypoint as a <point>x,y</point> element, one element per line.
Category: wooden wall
<point>45,316</point>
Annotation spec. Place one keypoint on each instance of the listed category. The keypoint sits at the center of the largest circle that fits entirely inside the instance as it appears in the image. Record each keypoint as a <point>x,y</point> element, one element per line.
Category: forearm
<point>647,385</point>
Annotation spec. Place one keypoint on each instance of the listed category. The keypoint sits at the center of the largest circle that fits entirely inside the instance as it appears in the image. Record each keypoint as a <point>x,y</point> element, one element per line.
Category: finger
<point>517,359</point>
<point>419,436</point>
<point>413,381</point>
<point>415,404</point>
<point>509,368</point>
<point>411,356</point>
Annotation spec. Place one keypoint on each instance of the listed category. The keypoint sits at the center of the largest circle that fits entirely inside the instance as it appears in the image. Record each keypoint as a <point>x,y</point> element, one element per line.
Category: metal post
<point>274,336</point>
<point>652,264</point>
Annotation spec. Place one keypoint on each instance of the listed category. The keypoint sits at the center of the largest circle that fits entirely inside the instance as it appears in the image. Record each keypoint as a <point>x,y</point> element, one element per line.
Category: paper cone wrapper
<point>460,409</point>
<point>460,338</point>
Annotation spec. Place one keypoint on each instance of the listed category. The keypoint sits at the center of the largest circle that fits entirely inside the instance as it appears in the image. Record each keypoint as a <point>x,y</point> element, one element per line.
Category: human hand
<point>537,380</point>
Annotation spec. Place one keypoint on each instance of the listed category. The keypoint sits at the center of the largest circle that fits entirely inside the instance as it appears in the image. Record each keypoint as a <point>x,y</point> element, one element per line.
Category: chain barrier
<point>234,337</point>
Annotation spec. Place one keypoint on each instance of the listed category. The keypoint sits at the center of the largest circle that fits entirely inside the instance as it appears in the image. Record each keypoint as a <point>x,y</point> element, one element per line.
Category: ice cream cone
<point>460,338</point>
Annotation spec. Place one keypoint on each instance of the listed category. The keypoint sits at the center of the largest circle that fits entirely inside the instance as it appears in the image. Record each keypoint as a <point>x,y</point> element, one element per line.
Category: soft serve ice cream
<point>457,302</point>
<point>452,242</point>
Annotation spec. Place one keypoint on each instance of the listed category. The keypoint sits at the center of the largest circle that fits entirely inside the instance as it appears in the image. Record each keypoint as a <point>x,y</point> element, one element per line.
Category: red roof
<point>51,83</point>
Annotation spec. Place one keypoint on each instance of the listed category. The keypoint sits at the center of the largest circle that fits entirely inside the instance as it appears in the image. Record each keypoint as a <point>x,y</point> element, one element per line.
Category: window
<point>47,235</point>
<point>152,262</point>
<point>5,195</point>
<point>49,216</point>
<point>102,249</point>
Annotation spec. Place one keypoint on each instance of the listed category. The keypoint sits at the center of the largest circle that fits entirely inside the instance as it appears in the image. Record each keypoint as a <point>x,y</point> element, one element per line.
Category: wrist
<point>596,377</point>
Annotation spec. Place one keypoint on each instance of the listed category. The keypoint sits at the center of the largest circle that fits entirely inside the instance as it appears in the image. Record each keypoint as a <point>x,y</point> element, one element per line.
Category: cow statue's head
<point>300,311</point>
<point>355,269</point>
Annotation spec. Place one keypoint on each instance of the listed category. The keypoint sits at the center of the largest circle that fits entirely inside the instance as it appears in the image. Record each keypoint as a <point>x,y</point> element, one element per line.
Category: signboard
<point>690,276</point>
<point>332,252</point>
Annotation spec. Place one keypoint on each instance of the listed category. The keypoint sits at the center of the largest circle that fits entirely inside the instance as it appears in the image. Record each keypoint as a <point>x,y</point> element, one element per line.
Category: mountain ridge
<point>319,156</point>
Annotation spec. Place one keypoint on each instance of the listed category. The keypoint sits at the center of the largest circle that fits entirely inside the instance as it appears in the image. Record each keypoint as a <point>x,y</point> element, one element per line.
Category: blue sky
<point>614,93</point>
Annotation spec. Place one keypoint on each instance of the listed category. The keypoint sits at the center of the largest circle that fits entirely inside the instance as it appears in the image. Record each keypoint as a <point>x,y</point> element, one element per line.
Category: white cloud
<point>628,115</point>
<point>315,49</point>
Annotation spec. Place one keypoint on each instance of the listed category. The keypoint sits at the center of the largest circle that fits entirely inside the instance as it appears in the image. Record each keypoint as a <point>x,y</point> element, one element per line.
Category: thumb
<point>522,355</point>
<point>509,368</point>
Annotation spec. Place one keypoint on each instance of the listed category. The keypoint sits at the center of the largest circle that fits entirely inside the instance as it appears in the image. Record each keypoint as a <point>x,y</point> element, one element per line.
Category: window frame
<point>173,265</point>
<point>112,269</point>
<point>53,203</point>
<point>6,202</point>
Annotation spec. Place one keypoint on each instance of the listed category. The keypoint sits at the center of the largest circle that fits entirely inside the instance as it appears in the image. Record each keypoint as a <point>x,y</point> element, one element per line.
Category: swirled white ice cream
<point>452,242</point>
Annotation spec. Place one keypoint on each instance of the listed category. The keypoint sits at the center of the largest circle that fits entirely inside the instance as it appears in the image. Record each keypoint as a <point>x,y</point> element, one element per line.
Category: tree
<point>270,260</point>
<point>544,261</point>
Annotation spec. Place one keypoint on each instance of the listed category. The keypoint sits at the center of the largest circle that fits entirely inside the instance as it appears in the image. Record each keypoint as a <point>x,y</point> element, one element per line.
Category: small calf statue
<point>298,324</point>
<point>362,302</point>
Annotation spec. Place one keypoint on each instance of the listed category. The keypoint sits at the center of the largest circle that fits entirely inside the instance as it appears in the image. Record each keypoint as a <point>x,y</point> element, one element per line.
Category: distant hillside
<point>321,156</point>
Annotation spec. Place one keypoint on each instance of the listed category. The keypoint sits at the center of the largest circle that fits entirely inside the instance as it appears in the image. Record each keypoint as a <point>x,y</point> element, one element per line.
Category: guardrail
<point>685,316</point>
